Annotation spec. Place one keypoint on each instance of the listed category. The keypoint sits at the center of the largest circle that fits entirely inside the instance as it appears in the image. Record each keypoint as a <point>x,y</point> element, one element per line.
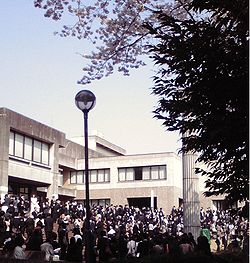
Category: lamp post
<point>85,101</point>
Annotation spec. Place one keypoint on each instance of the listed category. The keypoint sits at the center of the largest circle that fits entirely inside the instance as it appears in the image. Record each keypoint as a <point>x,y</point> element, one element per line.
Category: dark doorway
<point>19,186</point>
<point>141,202</point>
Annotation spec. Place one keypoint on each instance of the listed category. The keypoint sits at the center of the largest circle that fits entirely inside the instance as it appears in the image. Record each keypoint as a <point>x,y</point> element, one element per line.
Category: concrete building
<point>35,158</point>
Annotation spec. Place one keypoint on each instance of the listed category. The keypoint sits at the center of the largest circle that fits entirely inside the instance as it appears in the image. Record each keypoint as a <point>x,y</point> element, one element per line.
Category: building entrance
<point>141,202</point>
<point>26,188</point>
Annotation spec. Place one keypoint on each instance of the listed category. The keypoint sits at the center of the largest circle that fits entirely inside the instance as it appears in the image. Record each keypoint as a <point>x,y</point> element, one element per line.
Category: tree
<point>113,27</point>
<point>201,48</point>
<point>203,88</point>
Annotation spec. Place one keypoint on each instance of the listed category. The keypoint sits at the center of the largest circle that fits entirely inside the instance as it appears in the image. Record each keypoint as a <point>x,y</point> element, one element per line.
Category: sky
<point>38,78</point>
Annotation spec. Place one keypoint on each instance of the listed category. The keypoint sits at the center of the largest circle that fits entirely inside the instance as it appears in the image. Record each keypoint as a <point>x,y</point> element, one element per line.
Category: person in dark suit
<point>3,228</point>
<point>29,226</point>
<point>15,223</point>
<point>35,241</point>
<point>103,246</point>
<point>49,223</point>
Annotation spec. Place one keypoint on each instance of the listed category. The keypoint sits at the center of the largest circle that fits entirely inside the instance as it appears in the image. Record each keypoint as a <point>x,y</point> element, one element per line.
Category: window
<point>19,145</point>
<point>101,177</point>
<point>122,174</point>
<point>28,148</point>
<point>95,176</point>
<point>24,190</point>
<point>129,174</point>
<point>37,156</point>
<point>100,202</point>
<point>107,175</point>
<point>138,173</point>
<point>162,172</point>
<point>11,143</point>
<point>145,173</point>
<point>73,177</point>
<point>156,172</point>
<point>45,153</point>
<point>79,177</point>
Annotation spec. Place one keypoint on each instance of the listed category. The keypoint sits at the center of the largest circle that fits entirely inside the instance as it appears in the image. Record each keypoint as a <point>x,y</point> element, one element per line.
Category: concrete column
<point>191,201</point>
<point>152,200</point>
<point>4,153</point>
<point>54,163</point>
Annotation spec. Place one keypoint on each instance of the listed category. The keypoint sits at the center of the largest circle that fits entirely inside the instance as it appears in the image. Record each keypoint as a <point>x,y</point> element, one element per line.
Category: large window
<point>28,148</point>
<point>156,172</point>
<point>100,202</point>
<point>95,176</point>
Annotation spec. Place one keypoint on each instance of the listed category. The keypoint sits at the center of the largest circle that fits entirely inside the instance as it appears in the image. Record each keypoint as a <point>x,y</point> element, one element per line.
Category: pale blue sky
<point>38,78</point>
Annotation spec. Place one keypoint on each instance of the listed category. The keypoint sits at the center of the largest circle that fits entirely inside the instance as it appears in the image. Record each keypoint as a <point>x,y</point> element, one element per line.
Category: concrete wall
<point>168,191</point>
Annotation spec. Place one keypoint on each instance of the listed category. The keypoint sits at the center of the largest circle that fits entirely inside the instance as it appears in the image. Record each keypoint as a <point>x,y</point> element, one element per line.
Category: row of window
<point>157,172</point>
<point>95,176</point>
<point>28,148</point>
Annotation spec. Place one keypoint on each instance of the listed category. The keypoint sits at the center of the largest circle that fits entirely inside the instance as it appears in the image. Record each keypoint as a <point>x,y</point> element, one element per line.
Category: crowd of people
<point>57,229</point>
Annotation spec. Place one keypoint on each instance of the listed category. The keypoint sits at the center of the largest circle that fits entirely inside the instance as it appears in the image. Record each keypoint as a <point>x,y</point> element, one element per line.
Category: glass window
<point>19,145</point>
<point>93,176</point>
<point>146,173</point>
<point>102,202</point>
<point>129,174</point>
<point>154,173</point>
<point>138,173</point>
<point>37,151</point>
<point>60,179</point>
<point>27,148</point>
<point>45,153</point>
<point>107,175</point>
<point>162,172</point>
<point>100,176</point>
<point>80,177</point>
<point>11,143</point>
<point>73,177</point>
<point>121,174</point>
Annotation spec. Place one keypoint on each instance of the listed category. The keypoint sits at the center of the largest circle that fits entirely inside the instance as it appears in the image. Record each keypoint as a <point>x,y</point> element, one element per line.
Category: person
<point>34,204</point>
<point>103,246</point>
<point>29,226</point>
<point>132,246</point>
<point>78,250</point>
<point>35,241</point>
<point>16,222</point>
<point>6,203</point>
<point>3,228</point>
<point>47,249</point>
<point>63,240</point>
<point>19,250</point>
<point>54,242</point>
<point>203,246</point>
<point>191,240</point>
<point>77,233</point>
<point>9,244</point>
<point>48,225</point>
<point>185,247</point>
<point>122,246</point>
<point>217,242</point>
<point>70,254</point>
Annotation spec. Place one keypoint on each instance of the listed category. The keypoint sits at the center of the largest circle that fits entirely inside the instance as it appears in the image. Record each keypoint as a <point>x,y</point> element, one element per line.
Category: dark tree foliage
<point>202,84</point>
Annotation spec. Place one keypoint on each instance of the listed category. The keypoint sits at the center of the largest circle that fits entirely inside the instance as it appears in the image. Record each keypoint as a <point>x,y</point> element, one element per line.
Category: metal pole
<point>87,223</point>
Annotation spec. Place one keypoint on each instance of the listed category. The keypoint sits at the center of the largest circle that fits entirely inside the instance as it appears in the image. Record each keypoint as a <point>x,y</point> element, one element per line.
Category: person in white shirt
<point>48,250</point>
<point>132,247</point>
<point>19,250</point>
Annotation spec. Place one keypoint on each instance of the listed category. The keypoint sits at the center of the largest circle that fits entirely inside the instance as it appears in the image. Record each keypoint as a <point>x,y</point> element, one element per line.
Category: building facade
<point>37,159</point>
